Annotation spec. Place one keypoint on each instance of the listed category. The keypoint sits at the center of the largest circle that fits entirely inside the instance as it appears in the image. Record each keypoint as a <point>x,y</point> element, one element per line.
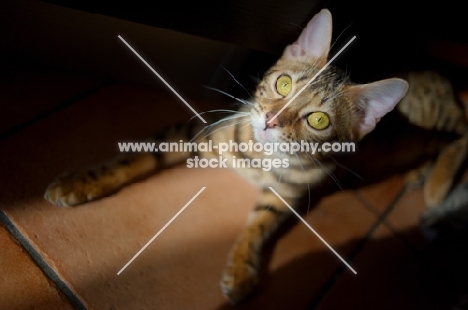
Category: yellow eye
<point>284,85</point>
<point>318,120</point>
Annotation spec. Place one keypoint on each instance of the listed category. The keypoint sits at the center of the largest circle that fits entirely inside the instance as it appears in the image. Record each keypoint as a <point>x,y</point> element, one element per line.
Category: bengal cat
<point>330,109</point>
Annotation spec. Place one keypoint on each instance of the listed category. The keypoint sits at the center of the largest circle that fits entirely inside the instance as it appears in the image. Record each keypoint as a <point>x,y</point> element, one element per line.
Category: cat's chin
<point>267,136</point>
<point>262,134</point>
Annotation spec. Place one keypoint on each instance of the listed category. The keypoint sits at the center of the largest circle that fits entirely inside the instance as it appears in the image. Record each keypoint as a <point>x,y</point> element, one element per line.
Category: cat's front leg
<point>74,188</point>
<point>241,274</point>
<point>78,187</point>
<point>440,179</point>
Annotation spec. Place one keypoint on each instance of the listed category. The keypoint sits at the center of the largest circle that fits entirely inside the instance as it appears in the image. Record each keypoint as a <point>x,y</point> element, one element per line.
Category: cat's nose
<point>274,123</point>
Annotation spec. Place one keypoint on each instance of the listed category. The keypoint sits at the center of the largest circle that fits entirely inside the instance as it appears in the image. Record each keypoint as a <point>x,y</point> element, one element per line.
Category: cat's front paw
<point>239,281</point>
<point>71,189</point>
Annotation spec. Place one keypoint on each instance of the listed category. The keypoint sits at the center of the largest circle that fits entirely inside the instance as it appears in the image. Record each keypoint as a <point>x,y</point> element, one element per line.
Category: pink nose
<point>274,123</point>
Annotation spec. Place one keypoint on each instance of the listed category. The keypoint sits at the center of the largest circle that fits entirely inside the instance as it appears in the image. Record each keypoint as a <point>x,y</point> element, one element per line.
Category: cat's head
<point>330,108</point>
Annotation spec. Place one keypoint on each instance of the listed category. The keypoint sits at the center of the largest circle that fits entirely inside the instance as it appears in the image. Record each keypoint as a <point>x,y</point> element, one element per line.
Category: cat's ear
<point>315,39</point>
<point>372,101</point>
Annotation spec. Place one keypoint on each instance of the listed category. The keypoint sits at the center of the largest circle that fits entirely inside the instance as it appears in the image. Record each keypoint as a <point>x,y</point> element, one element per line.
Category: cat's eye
<point>318,120</point>
<point>284,85</point>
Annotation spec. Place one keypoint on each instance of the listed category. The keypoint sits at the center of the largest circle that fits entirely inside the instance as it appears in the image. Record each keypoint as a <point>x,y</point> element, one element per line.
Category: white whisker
<point>218,129</point>
<point>238,83</point>
<point>217,123</point>
<point>229,95</point>
<point>330,174</point>
<point>346,168</point>
<point>308,186</point>
<point>221,111</point>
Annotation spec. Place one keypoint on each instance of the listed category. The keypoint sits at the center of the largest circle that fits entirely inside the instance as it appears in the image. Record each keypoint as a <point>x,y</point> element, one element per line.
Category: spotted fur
<point>354,111</point>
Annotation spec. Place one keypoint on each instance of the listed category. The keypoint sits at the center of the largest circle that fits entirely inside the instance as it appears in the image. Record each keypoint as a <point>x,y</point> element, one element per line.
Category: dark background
<point>189,42</point>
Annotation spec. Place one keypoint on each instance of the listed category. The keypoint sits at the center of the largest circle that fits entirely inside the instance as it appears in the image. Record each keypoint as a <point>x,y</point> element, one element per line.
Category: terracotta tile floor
<point>69,258</point>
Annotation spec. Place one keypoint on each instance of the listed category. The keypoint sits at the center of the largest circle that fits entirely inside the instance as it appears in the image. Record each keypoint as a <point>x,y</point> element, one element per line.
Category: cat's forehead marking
<point>289,68</point>
<point>302,78</point>
<point>307,105</point>
<point>270,72</point>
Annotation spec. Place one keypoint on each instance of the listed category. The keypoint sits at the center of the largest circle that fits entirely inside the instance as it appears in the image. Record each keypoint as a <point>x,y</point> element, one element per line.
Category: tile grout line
<point>340,270</point>
<point>39,260</point>
<point>368,205</point>
<point>389,225</point>
<point>57,108</point>
<point>401,237</point>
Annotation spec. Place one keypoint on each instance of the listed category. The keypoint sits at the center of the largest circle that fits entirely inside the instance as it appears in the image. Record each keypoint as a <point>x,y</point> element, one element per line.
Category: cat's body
<point>330,109</point>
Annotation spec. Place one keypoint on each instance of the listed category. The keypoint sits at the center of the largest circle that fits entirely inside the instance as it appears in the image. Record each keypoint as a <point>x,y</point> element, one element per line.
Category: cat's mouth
<point>270,135</point>
<point>263,134</point>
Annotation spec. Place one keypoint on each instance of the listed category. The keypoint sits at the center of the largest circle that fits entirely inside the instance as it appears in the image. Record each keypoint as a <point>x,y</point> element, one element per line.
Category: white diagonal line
<point>162,79</point>
<point>160,231</point>
<point>313,230</point>
<point>311,80</point>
